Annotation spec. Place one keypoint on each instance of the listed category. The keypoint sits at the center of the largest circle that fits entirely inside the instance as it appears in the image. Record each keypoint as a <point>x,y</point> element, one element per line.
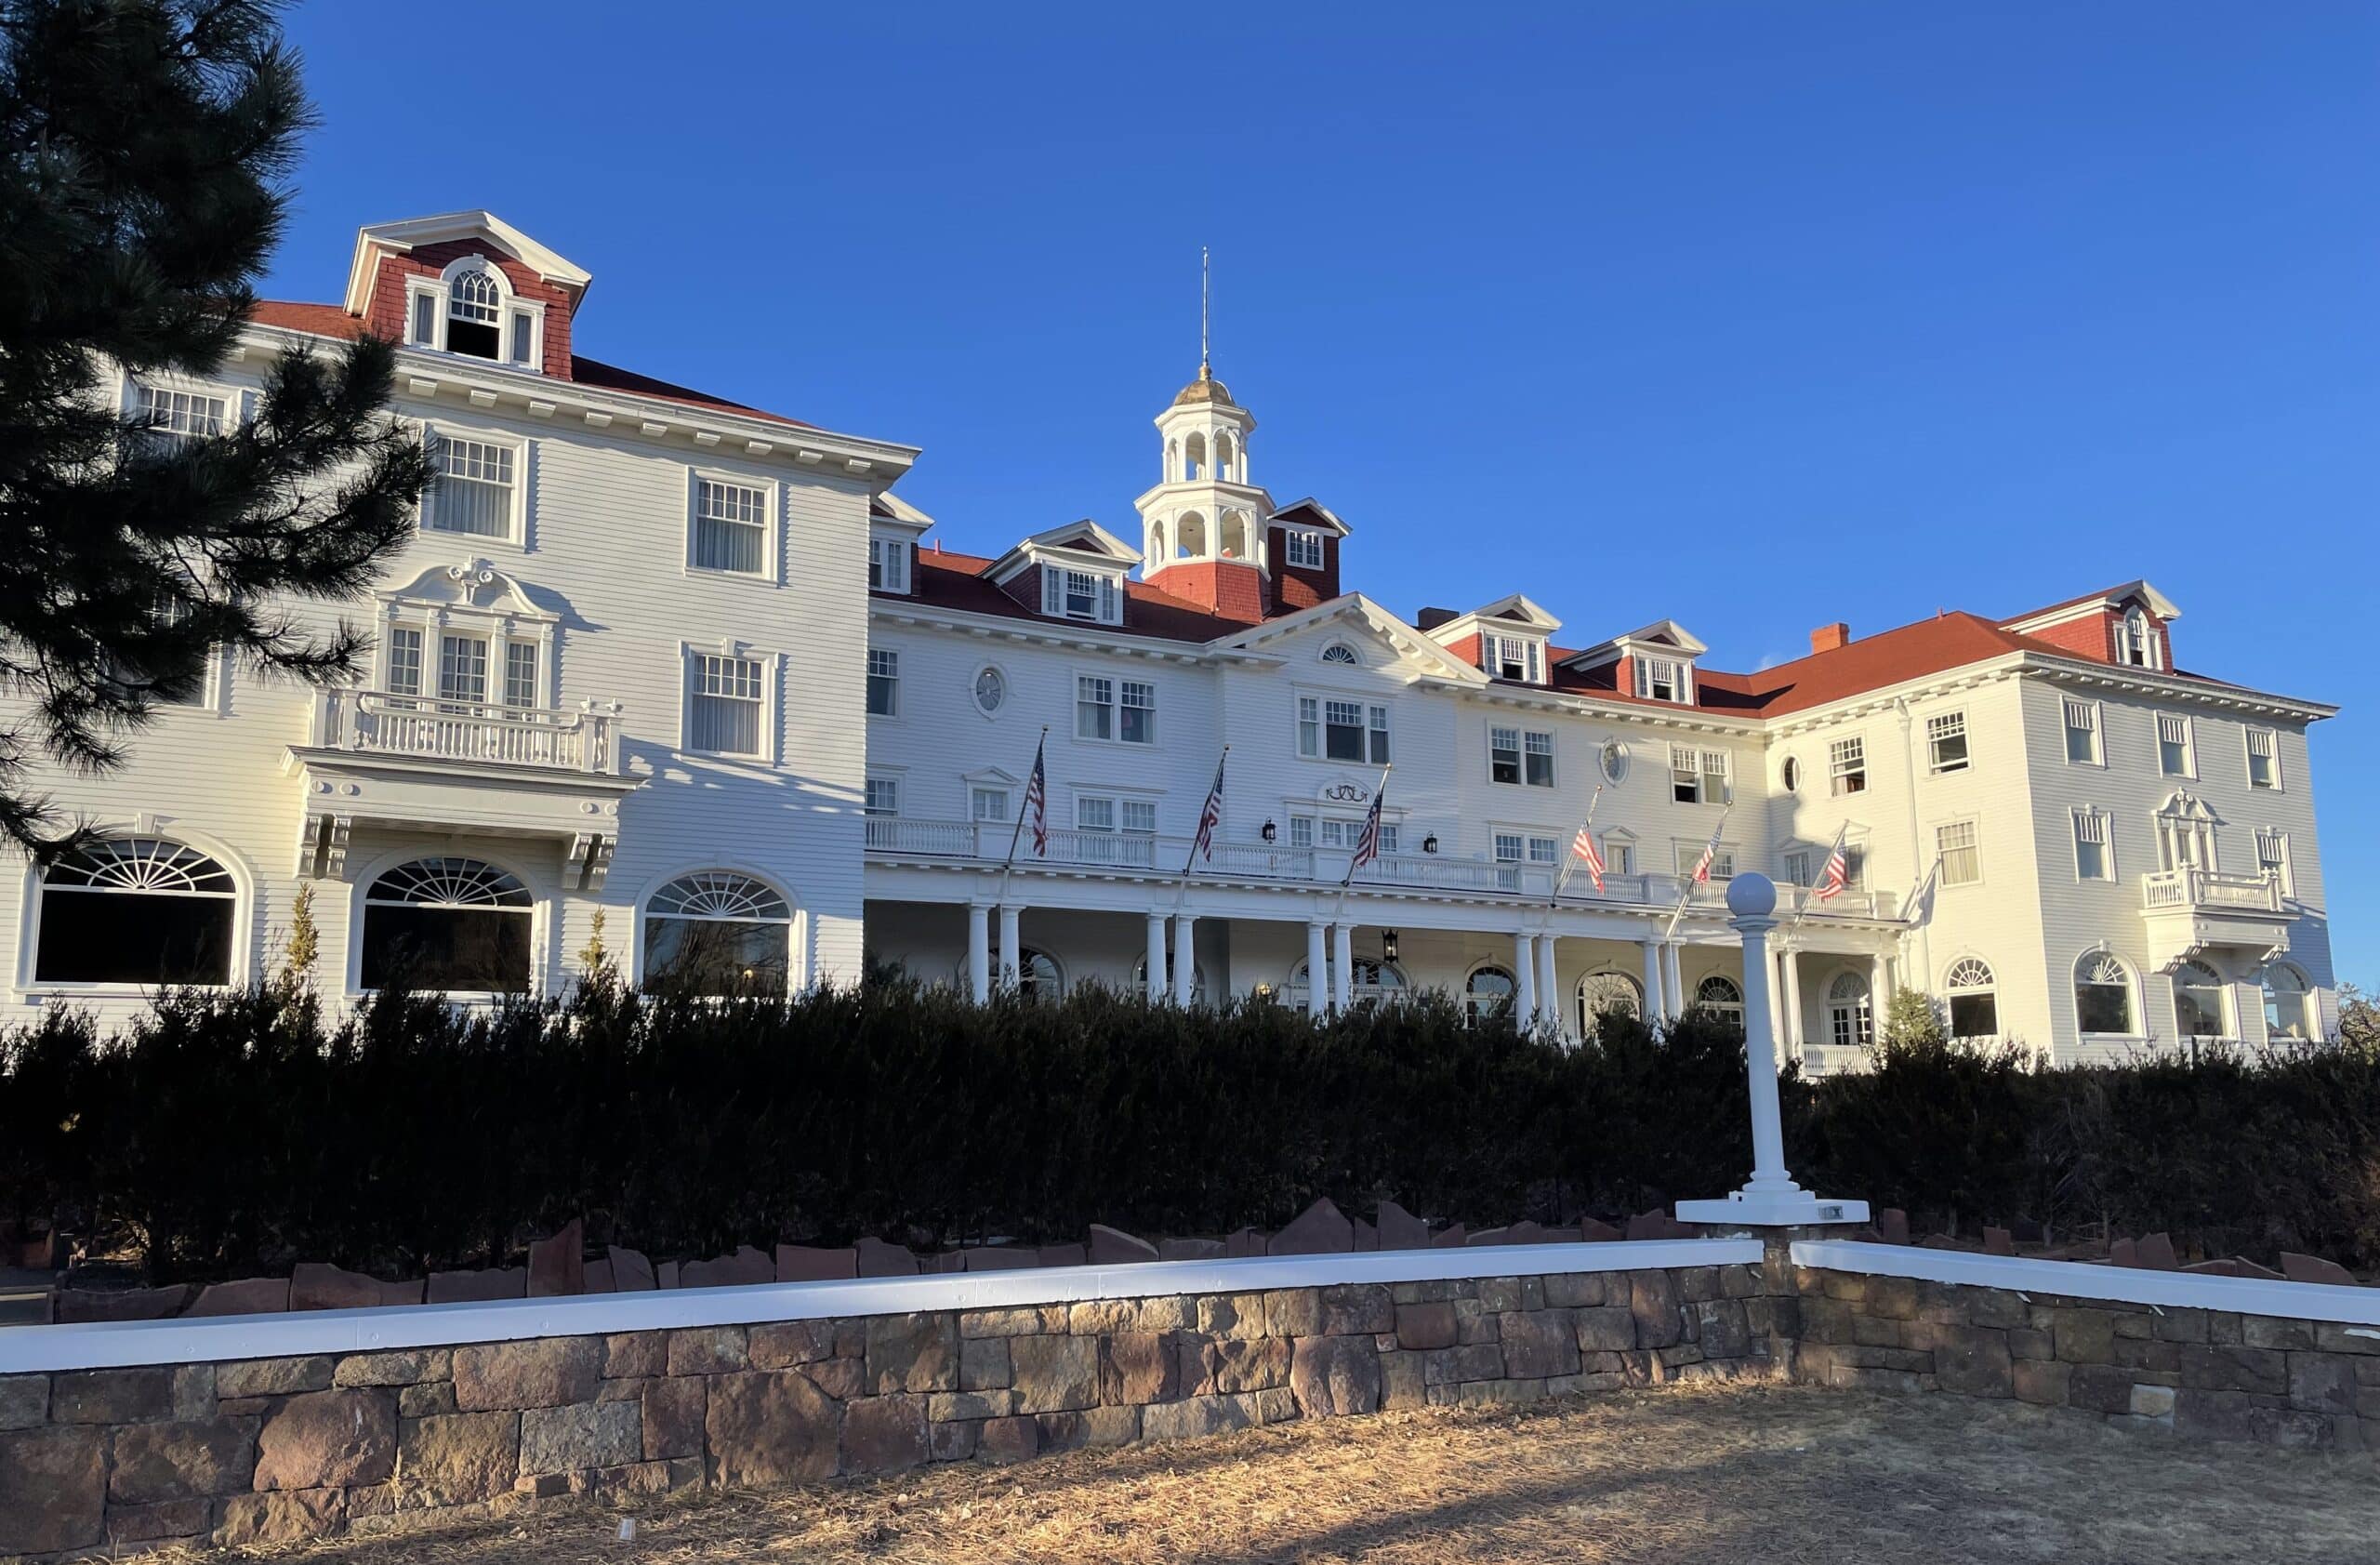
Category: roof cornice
<point>2174,687</point>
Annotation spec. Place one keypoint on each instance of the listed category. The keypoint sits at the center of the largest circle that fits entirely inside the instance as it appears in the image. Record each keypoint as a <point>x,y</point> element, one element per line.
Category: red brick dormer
<point>2128,626</point>
<point>467,283</point>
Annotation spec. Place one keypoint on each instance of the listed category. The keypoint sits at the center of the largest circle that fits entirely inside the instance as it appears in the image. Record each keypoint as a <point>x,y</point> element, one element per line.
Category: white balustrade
<point>2173,889</point>
<point>378,722</point>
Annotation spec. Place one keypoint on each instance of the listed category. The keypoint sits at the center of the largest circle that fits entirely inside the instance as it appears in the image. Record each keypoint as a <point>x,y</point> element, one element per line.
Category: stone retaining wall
<point>279,1449</point>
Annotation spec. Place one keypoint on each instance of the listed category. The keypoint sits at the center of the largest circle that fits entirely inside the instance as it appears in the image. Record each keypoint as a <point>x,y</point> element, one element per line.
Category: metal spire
<point>1204,370</point>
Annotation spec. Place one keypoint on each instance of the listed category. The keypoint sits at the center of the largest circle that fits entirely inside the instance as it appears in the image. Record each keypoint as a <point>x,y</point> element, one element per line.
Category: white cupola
<point>1203,526</point>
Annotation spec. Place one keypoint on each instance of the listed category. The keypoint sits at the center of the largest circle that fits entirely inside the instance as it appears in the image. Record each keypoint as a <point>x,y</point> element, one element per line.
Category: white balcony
<point>1138,853</point>
<point>2189,912</point>
<point>376,759</point>
<point>2206,889</point>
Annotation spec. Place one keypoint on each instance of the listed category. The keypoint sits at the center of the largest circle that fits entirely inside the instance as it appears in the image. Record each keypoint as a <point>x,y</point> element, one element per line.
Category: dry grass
<point>1684,1477</point>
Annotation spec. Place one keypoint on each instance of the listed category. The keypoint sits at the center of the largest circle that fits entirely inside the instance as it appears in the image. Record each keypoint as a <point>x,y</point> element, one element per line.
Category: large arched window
<point>1719,995</point>
<point>1038,974</point>
<point>1608,994</point>
<point>718,933</point>
<point>1975,999</point>
<point>1236,544</point>
<point>135,910</point>
<point>2139,643</point>
<point>2198,1001</point>
<point>475,313</point>
<point>1157,543</point>
<point>447,923</point>
<point>1194,457</point>
<point>1190,536</point>
<point>1850,1020</point>
<point>2289,1011</point>
<point>1197,978</point>
<point>1227,458</point>
<point>1487,993</point>
<point>1371,980</point>
<point>2103,995</point>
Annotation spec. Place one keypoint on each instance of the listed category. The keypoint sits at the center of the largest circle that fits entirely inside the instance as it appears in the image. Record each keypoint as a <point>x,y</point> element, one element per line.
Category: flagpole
<point>1378,793</point>
<point>1040,751</point>
<point>1190,860</point>
<point>1804,905</point>
<point>1570,859</point>
<point>1685,891</point>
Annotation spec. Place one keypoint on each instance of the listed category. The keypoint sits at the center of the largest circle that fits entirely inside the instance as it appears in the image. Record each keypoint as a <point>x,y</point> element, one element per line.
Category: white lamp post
<point>1769,1198</point>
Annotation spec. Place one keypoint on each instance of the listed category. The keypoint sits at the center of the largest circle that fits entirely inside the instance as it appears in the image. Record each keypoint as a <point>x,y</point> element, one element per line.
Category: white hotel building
<point>619,673</point>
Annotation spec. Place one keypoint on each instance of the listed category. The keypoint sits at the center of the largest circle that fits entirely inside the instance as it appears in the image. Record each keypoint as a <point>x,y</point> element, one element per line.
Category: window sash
<point>521,674</point>
<point>731,527</point>
<point>1847,765</point>
<point>2173,745</point>
<point>2083,732</point>
<point>462,668</point>
<point>474,495</point>
<point>1946,741</point>
<point>2093,860</point>
<point>1093,814</point>
<point>884,682</point>
<point>725,715</point>
<point>1136,712</point>
<point>2264,758</point>
<point>1962,853</point>
<point>1304,551</point>
<point>882,797</point>
<point>1138,818</point>
<point>988,804</point>
<point>888,564</point>
<point>1504,755</point>
<point>1094,707</point>
<point>404,661</point>
<point>1537,758</point>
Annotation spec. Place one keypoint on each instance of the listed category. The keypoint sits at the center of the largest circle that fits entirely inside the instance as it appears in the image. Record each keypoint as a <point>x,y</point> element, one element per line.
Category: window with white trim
<point>888,564</point>
<point>986,804</point>
<point>1516,657</point>
<point>1106,813</point>
<point>1068,593</point>
<point>462,670</point>
<point>2082,733</point>
<point>1962,853</point>
<point>448,923</point>
<point>1520,757</point>
<point>1793,866</point>
<point>1337,730</point>
<point>718,933</point>
<point>1697,776</point>
<point>1342,654</point>
<point>2135,641</point>
<point>723,705</point>
<point>2103,996</point>
<point>1337,831</point>
<point>1664,679</point>
<point>1136,712</point>
<point>2094,854</point>
<point>1974,995</point>
<point>521,687</point>
<point>1846,762</point>
<point>1124,710</point>
<point>881,797</point>
<point>172,415</point>
<point>404,661</point>
<point>2272,857</point>
<point>731,528</point>
<point>475,490</point>
<point>470,309</point>
<point>2264,757</point>
<point>160,687</point>
<point>1946,741</point>
<point>2288,1010</point>
<point>1618,853</point>
<point>2201,1003</point>
<point>2176,756</point>
<point>135,910</point>
<point>884,682</point>
<point>1301,551</point>
<point>1687,855</point>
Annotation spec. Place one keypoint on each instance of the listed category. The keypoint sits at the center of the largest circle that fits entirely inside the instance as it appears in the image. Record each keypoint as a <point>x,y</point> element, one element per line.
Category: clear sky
<point>1754,315</point>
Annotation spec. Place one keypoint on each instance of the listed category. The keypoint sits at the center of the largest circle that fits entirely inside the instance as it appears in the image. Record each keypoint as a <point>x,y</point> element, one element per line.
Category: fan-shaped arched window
<point>2198,1001</point>
<point>718,933</point>
<point>1197,978</point>
<point>475,313</point>
<point>2288,1010</point>
<point>1339,652</point>
<point>1608,994</point>
<point>2103,995</point>
<point>1720,996</point>
<point>1975,999</point>
<point>135,910</point>
<point>447,923</point>
<point>1489,993</point>
<point>1850,1020</point>
<point>1038,974</point>
<point>2139,643</point>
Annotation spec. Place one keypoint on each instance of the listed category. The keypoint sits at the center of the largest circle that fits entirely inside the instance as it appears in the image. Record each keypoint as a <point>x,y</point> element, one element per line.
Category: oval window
<point>1791,774</point>
<point>1615,760</point>
<point>991,689</point>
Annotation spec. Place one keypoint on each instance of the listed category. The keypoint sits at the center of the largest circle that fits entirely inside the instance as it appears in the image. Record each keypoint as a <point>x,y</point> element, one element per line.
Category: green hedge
<point>230,1135</point>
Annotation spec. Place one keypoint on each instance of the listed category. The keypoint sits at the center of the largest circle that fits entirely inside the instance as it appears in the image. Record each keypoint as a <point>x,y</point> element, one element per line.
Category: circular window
<point>1791,774</point>
<point>1615,760</point>
<point>991,689</point>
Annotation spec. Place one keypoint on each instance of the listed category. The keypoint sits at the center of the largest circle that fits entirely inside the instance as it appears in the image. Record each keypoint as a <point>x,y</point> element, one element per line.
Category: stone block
<point>1723,1329</point>
<point>2331,1336</point>
<point>74,1305</point>
<point>1293,1312</point>
<point>635,1355</point>
<point>1196,1416</point>
<point>802,1263</point>
<point>2163,1356</point>
<point>744,1269</point>
<point>1161,1312</point>
<point>1973,1361</point>
<point>472,1287</point>
<point>2222,1416</point>
<point>1336,1376</point>
<point>288,1516</point>
<point>2262,1371</point>
<point>2313,1268</point>
<point>2324,1382</point>
<point>24,1400</point>
<point>950,1442</point>
<point>1053,1373</point>
<point>1451,1237</point>
<point>2083,1336</point>
<point>1190,1249</point>
<point>1138,1367</point>
<point>672,1413</point>
<point>1357,1309</point>
<point>53,1485</point>
<point>405,1367</point>
<point>1402,1381</point>
<point>160,1522</point>
<point>877,1259</point>
<point>1574,1290</point>
<point>1114,1247</point>
<point>318,1285</point>
<point>1652,1298</point>
<point>599,1276</point>
<point>1009,1440</point>
<point>1001,1322</point>
<point>1320,1229</point>
<point>1424,1326</point>
<point>558,1264</point>
<point>111,1396</point>
<point>1232,1365</point>
<point>2175,1323</point>
<point>983,1365</point>
<point>1399,1230</point>
<point>839,1378</point>
<point>539,1373</point>
<point>1231,1315</point>
<point>426,1400</point>
<point>252,1295</point>
<point>1500,1295</point>
<point>707,1350</point>
<point>2100,1389</point>
<point>460,1458</point>
<point>783,1343</point>
<point>1538,1343</point>
<point>912,1353</point>
<point>273,1377</point>
<point>157,1462</point>
<point>1771,1317</point>
<point>631,1272</point>
<point>883,1435</point>
<point>2281,1335</point>
<point>328,1440</point>
<point>2042,1381</point>
<point>770,1426</point>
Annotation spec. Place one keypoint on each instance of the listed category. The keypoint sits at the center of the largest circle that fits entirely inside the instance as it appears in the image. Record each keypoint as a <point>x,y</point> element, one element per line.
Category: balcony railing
<point>2179,890</point>
<point>375,723</point>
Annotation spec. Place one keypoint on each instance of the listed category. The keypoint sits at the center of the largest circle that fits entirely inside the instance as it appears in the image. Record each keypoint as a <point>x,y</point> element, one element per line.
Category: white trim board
<point>2080,1279</point>
<point>124,1344</point>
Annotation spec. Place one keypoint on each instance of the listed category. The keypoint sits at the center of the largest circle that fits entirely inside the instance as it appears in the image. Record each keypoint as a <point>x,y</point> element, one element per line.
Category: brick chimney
<point>1827,638</point>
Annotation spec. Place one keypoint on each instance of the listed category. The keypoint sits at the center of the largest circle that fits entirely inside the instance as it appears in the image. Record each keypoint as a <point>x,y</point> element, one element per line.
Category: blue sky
<point>1757,315</point>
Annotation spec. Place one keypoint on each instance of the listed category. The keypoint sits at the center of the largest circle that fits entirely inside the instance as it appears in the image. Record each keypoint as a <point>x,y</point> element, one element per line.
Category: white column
<point>1185,964</point>
<point>1342,953</point>
<point>1157,957</point>
<point>1676,981</point>
<point>1549,997</point>
<point>1793,960</point>
<point>1654,1010</point>
<point>979,951</point>
<point>1880,996</point>
<point>1008,912</point>
<point>1317,968</point>
<point>1525,980</point>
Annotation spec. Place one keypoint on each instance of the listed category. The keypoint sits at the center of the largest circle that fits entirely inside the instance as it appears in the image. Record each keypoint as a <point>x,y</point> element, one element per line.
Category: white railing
<point>1121,849</point>
<point>375,723</point>
<point>933,839</point>
<point>2170,889</point>
<point>1437,872</point>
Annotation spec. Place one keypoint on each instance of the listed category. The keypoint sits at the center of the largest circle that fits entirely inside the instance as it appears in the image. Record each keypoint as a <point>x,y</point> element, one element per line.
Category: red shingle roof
<point>330,320</point>
<point>957,581</point>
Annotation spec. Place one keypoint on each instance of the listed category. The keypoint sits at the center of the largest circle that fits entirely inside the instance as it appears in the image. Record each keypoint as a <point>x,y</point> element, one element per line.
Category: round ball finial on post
<point>1751,895</point>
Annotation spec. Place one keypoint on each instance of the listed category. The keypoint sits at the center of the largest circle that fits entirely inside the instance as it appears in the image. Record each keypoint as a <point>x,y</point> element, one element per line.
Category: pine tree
<point>145,149</point>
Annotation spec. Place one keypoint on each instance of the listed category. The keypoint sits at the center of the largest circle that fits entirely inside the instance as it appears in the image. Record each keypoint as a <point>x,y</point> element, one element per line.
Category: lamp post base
<point>1772,1209</point>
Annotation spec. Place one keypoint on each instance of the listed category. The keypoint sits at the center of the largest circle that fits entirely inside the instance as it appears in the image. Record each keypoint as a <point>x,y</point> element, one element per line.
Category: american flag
<point>1583,844</point>
<point>1835,875</point>
<point>1209,817</point>
<point>1709,853</point>
<point>1037,800</point>
<point>1367,841</point>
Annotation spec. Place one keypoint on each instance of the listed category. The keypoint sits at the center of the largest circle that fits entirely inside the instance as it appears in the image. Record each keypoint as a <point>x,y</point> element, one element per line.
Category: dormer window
<point>887,563</point>
<point>470,309</point>
<point>1068,593</point>
<point>1664,679</point>
<point>474,314</point>
<point>1516,657</point>
<point>1302,550</point>
<point>2135,642</point>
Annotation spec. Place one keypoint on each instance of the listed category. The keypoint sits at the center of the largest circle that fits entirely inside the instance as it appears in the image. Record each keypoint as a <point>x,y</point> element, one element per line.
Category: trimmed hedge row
<point>230,1135</point>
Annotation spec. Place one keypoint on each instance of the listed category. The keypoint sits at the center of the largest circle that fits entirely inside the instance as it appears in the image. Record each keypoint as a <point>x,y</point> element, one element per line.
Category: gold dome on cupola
<point>1206,388</point>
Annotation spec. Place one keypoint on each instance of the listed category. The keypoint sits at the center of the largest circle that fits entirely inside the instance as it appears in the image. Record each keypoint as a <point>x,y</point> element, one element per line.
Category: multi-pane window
<point>1537,758</point>
<point>2103,995</point>
<point>180,415</point>
<point>1095,814</point>
<point>1662,679</point>
<point>723,714</point>
<point>1073,594</point>
<point>1847,761</point>
<point>1333,729</point>
<point>1794,864</point>
<point>883,796</point>
<point>1139,816</point>
<point>2173,757</point>
<point>2272,855</point>
<point>731,527</point>
<point>1975,999</point>
<point>1723,859</point>
<point>474,488</point>
<point>1094,707</point>
<point>884,682</point>
<point>462,668</point>
<point>1107,708</point>
<point>1300,831</point>
<point>1337,833</point>
<point>1962,853</point>
<point>1514,756</point>
<point>1516,657</point>
<point>1304,550</point>
<point>404,661</point>
<point>1342,654</point>
<point>2083,732</point>
<point>1136,712</point>
<point>1134,817</point>
<point>1618,856</point>
<point>888,564</point>
<point>2095,856</point>
<point>521,674</point>
<point>1946,741</point>
<point>988,803</point>
<point>2264,758</point>
<point>1697,776</point>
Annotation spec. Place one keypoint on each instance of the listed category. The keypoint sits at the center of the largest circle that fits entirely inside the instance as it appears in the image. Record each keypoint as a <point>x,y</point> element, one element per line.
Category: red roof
<point>957,581</point>
<point>330,320</point>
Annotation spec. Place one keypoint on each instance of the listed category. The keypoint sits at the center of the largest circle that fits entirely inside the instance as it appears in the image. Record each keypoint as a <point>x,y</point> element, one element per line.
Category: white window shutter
<point>1109,614</point>
<point>1054,590</point>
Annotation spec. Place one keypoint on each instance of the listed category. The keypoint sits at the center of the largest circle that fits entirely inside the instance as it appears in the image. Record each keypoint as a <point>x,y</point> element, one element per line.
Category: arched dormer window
<point>471,309</point>
<point>474,312</point>
<point>2137,640</point>
<point>1339,652</point>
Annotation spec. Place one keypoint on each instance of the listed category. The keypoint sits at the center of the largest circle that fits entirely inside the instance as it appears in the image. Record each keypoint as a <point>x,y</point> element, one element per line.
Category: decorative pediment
<point>1344,789</point>
<point>2182,804</point>
<point>471,584</point>
<point>1348,618</point>
<point>1518,610</point>
<point>1089,537</point>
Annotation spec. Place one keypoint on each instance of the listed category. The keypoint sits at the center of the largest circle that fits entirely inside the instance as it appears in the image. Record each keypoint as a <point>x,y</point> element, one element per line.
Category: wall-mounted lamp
<point>1270,831</point>
<point>1388,945</point>
<point>1429,842</point>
